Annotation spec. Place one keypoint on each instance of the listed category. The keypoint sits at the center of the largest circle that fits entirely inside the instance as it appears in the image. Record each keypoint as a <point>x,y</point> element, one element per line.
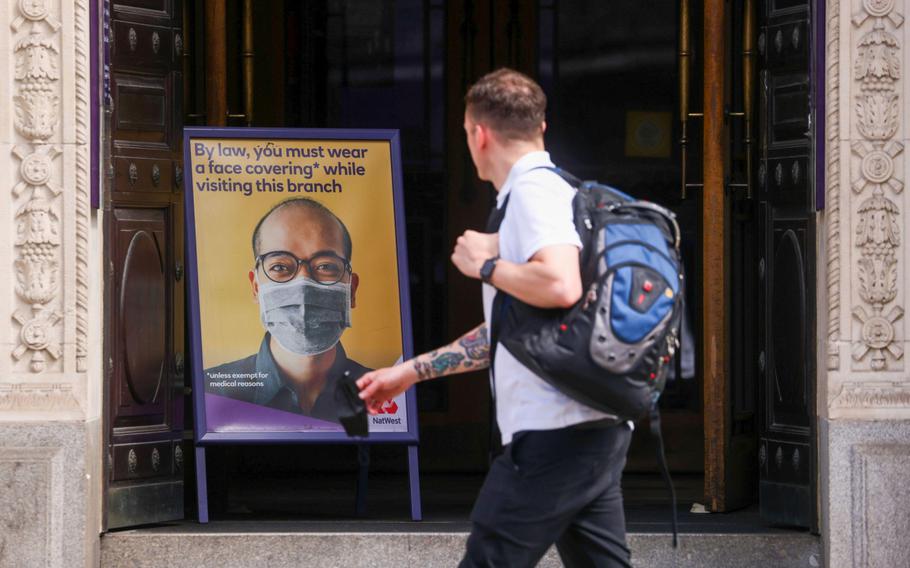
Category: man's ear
<point>482,136</point>
<point>543,127</point>
<point>355,282</point>
<point>254,286</point>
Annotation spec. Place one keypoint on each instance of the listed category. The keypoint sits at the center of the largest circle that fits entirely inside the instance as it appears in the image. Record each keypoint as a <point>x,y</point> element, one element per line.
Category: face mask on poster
<point>305,317</point>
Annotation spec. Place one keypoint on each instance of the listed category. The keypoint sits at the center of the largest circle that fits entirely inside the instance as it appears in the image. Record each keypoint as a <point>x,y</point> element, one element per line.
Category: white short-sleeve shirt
<point>538,215</point>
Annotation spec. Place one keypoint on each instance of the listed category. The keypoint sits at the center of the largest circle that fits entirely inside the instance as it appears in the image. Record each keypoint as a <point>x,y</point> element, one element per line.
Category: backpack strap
<point>500,305</point>
<point>662,461</point>
<point>500,301</point>
<point>580,185</point>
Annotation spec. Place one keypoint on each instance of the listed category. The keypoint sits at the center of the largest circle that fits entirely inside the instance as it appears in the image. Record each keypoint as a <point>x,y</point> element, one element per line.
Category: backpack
<point>613,350</point>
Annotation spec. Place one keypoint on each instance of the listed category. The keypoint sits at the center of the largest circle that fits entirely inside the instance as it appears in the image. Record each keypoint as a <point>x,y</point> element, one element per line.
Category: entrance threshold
<point>310,522</point>
<point>276,544</point>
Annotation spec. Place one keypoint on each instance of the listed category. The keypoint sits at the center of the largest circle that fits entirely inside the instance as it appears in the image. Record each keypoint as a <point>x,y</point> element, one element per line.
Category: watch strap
<point>486,270</point>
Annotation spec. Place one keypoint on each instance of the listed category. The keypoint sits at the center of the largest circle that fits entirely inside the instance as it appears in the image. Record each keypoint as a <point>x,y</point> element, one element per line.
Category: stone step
<point>318,545</point>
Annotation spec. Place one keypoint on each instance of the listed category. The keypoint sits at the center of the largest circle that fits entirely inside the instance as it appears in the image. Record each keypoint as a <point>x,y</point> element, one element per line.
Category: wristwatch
<point>486,271</point>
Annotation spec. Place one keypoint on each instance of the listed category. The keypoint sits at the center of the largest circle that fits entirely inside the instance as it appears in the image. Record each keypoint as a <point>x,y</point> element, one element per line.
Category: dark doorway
<point>626,82</point>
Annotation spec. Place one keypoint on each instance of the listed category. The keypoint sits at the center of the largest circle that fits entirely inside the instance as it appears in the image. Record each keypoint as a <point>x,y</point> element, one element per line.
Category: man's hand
<point>381,385</point>
<point>472,249</point>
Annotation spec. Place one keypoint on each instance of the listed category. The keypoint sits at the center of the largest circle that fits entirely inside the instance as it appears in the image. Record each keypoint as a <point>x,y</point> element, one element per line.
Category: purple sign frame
<point>202,436</point>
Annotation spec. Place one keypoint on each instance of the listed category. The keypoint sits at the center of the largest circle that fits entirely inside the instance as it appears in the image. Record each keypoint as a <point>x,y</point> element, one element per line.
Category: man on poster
<point>305,287</point>
<point>558,478</point>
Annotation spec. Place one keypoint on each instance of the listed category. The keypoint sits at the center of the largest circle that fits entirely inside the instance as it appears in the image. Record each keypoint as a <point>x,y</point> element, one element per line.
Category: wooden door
<point>144,303</point>
<point>483,35</point>
<point>786,266</point>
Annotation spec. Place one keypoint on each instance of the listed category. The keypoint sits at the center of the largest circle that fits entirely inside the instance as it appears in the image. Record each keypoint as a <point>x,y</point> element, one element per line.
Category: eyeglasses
<point>282,266</point>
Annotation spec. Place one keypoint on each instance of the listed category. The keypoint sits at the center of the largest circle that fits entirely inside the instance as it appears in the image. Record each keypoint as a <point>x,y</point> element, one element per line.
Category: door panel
<point>142,44</point>
<point>785,194</point>
<point>141,324</point>
<point>144,250</point>
<point>788,330</point>
<point>142,111</point>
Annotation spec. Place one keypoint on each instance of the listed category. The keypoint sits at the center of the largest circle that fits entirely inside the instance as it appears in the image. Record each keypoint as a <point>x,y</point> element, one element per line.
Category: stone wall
<point>49,256</point>
<point>46,520</point>
<point>864,387</point>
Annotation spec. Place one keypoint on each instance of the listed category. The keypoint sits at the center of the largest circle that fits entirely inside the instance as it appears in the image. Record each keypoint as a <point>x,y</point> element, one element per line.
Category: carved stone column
<point>865,403</point>
<point>867,259</point>
<point>47,152</point>
<point>48,435</point>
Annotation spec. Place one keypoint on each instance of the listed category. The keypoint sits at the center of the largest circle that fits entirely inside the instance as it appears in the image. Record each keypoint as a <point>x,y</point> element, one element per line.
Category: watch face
<point>486,271</point>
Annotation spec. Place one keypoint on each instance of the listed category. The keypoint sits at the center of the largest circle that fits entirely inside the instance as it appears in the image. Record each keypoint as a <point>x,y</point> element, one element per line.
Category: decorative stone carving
<point>832,189</point>
<point>83,181</point>
<point>877,166</point>
<point>34,11</point>
<point>35,337</point>
<point>36,59</point>
<point>878,230</point>
<point>878,65</point>
<point>36,112</point>
<point>37,226</point>
<point>878,115</point>
<point>42,397</point>
<point>877,235</point>
<point>36,277</point>
<point>880,10</point>
<point>877,336</point>
<point>156,459</point>
<point>36,56</point>
<point>42,220</point>
<point>38,221</point>
<point>872,395</point>
<point>35,170</point>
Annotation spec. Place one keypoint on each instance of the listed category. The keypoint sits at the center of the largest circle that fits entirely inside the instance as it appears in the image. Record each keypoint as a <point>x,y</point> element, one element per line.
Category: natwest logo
<point>389,407</point>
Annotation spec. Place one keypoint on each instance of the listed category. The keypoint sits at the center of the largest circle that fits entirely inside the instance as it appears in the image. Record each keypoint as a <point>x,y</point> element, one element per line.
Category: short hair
<point>509,102</point>
<point>310,204</point>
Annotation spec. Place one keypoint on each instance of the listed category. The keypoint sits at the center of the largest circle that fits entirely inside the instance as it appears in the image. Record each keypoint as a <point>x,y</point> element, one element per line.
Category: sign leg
<point>201,486</point>
<point>363,472</point>
<point>414,483</point>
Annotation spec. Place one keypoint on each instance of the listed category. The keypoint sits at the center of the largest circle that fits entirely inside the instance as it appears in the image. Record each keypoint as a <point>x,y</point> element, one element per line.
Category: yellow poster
<point>297,272</point>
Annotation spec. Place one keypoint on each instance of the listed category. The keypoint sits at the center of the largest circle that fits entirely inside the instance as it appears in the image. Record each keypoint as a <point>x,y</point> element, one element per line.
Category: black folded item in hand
<point>352,412</point>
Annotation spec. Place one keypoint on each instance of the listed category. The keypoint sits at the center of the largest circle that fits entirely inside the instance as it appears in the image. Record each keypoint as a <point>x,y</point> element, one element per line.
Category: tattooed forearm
<point>468,353</point>
<point>424,370</point>
<point>436,364</point>
<point>476,344</point>
<point>446,362</point>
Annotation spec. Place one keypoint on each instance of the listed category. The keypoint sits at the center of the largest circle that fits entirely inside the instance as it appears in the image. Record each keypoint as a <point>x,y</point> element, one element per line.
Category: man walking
<point>558,478</point>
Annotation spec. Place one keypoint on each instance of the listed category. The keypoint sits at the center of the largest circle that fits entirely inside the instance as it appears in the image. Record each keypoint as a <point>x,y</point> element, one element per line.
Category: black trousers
<point>549,486</point>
